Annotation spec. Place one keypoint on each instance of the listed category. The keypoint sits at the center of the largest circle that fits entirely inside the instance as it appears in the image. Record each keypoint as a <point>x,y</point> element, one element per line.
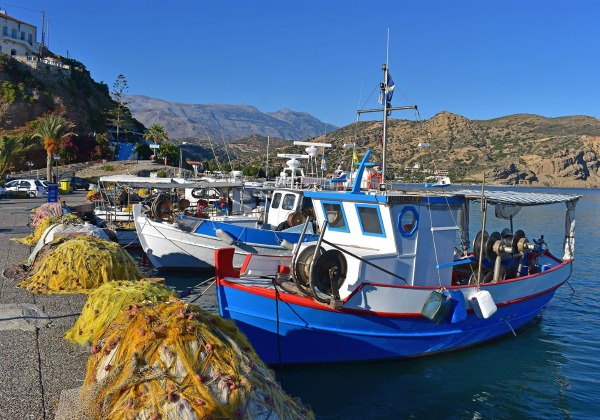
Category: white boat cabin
<point>397,232</point>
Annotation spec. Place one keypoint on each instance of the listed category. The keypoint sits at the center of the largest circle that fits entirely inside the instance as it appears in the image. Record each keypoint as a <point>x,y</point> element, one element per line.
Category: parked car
<point>79,183</point>
<point>31,187</point>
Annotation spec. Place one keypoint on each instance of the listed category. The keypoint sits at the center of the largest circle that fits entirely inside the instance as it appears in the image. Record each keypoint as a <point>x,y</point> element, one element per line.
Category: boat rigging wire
<point>277,299</point>
<point>212,280</point>
<point>213,150</point>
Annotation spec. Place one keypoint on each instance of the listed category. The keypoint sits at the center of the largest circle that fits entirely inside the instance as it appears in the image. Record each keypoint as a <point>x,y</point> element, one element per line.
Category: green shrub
<point>108,168</point>
<point>8,91</point>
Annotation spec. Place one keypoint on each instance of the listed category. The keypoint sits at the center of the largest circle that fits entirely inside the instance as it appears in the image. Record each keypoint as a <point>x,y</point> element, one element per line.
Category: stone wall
<point>46,69</point>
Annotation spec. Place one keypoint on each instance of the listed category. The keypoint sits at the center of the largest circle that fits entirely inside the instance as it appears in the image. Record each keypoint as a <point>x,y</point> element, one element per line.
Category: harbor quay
<point>36,362</point>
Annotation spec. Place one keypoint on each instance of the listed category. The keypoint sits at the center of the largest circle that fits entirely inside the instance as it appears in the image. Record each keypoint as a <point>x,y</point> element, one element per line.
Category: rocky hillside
<point>516,149</point>
<point>26,96</point>
<point>229,122</point>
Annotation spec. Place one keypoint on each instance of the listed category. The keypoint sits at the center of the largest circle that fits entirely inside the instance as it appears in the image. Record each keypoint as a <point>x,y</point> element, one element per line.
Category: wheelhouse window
<point>5,30</point>
<point>370,220</point>
<point>408,221</point>
<point>336,218</point>
<point>288,202</point>
<point>276,201</point>
<point>14,33</point>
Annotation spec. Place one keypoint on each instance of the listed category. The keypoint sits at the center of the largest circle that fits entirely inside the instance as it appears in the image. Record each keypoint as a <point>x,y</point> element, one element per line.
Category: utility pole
<point>42,37</point>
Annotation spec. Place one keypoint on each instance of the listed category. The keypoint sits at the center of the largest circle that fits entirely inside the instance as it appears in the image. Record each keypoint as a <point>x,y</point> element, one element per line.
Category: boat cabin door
<point>283,205</point>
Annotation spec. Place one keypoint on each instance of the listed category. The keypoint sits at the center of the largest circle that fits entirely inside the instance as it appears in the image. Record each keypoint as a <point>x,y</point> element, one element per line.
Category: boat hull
<point>286,329</point>
<point>169,247</point>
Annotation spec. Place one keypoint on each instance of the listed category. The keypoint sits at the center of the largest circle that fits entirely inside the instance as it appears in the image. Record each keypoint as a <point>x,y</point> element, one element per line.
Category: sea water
<point>549,370</point>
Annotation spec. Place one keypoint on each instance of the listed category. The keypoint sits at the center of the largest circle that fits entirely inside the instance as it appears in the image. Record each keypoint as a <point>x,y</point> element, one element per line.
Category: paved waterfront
<point>36,362</point>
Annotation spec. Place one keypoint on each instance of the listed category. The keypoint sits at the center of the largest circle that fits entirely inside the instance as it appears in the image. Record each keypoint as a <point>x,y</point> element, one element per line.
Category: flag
<point>388,90</point>
<point>355,157</point>
<point>323,164</point>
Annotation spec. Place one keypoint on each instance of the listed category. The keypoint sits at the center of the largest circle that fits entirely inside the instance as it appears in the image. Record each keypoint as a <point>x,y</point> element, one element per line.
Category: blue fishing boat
<point>394,274</point>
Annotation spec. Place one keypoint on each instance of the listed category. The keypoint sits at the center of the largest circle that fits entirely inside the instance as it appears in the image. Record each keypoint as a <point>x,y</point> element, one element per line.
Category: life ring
<point>374,179</point>
<point>201,206</point>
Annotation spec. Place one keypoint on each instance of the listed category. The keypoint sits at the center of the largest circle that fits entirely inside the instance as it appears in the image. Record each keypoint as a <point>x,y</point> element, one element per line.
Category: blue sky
<point>480,58</point>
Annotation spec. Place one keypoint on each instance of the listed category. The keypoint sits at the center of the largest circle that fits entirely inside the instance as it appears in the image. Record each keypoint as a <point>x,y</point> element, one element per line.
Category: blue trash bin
<point>52,193</point>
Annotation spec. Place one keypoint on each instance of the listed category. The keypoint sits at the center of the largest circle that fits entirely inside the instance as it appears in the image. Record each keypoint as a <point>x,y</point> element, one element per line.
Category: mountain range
<point>228,122</point>
<point>519,149</point>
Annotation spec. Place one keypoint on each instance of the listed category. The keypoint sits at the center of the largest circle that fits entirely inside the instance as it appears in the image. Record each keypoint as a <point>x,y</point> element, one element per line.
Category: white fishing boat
<point>437,181</point>
<point>394,273</point>
<point>188,241</point>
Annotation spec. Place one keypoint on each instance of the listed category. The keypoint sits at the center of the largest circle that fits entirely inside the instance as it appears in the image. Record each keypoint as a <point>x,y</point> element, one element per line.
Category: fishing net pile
<point>80,264</point>
<point>143,192</point>
<point>47,210</point>
<point>170,360</point>
<point>108,301</point>
<point>93,195</point>
<point>42,224</point>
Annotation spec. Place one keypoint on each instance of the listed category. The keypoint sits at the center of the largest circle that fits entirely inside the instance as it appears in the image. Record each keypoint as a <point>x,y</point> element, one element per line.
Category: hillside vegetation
<point>515,149</point>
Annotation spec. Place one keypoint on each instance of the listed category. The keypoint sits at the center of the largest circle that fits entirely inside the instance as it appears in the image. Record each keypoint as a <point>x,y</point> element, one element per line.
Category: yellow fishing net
<point>108,301</point>
<point>45,223</point>
<point>174,361</point>
<point>93,195</point>
<point>80,264</point>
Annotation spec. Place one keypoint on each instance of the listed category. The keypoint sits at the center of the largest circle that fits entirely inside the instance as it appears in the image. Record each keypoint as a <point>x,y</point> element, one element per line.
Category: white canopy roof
<point>517,198</point>
<point>155,182</point>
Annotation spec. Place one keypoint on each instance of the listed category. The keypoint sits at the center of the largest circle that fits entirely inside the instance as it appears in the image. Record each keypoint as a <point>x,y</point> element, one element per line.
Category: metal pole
<point>384,135</point>
<point>267,170</point>
<point>42,37</point>
<point>483,222</point>
<point>180,155</point>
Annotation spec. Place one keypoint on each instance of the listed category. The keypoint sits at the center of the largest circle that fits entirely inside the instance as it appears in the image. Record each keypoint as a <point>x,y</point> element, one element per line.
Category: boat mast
<point>384,135</point>
<point>386,110</point>
<point>267,169</point>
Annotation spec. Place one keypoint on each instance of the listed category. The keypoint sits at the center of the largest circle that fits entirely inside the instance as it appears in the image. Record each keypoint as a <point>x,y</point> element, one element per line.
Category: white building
<point>17,38</point>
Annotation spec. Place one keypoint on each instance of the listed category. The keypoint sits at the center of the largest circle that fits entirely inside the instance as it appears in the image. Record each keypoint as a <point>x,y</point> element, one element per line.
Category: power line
<point>20,7</point>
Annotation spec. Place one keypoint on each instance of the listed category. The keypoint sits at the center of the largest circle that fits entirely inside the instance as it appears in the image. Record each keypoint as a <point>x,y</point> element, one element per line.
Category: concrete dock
<point>36,362</point>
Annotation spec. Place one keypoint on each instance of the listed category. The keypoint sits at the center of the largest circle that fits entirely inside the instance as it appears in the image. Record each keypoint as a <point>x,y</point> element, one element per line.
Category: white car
<point>31,187</point>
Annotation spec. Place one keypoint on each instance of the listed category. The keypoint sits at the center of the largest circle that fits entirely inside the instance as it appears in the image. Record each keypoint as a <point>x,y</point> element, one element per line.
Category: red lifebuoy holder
<point>373,180</point>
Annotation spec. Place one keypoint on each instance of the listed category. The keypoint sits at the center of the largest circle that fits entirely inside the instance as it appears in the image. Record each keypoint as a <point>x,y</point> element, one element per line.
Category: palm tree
<point>52,129</point>
<point>156,133</point>
<point>11,149</point>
